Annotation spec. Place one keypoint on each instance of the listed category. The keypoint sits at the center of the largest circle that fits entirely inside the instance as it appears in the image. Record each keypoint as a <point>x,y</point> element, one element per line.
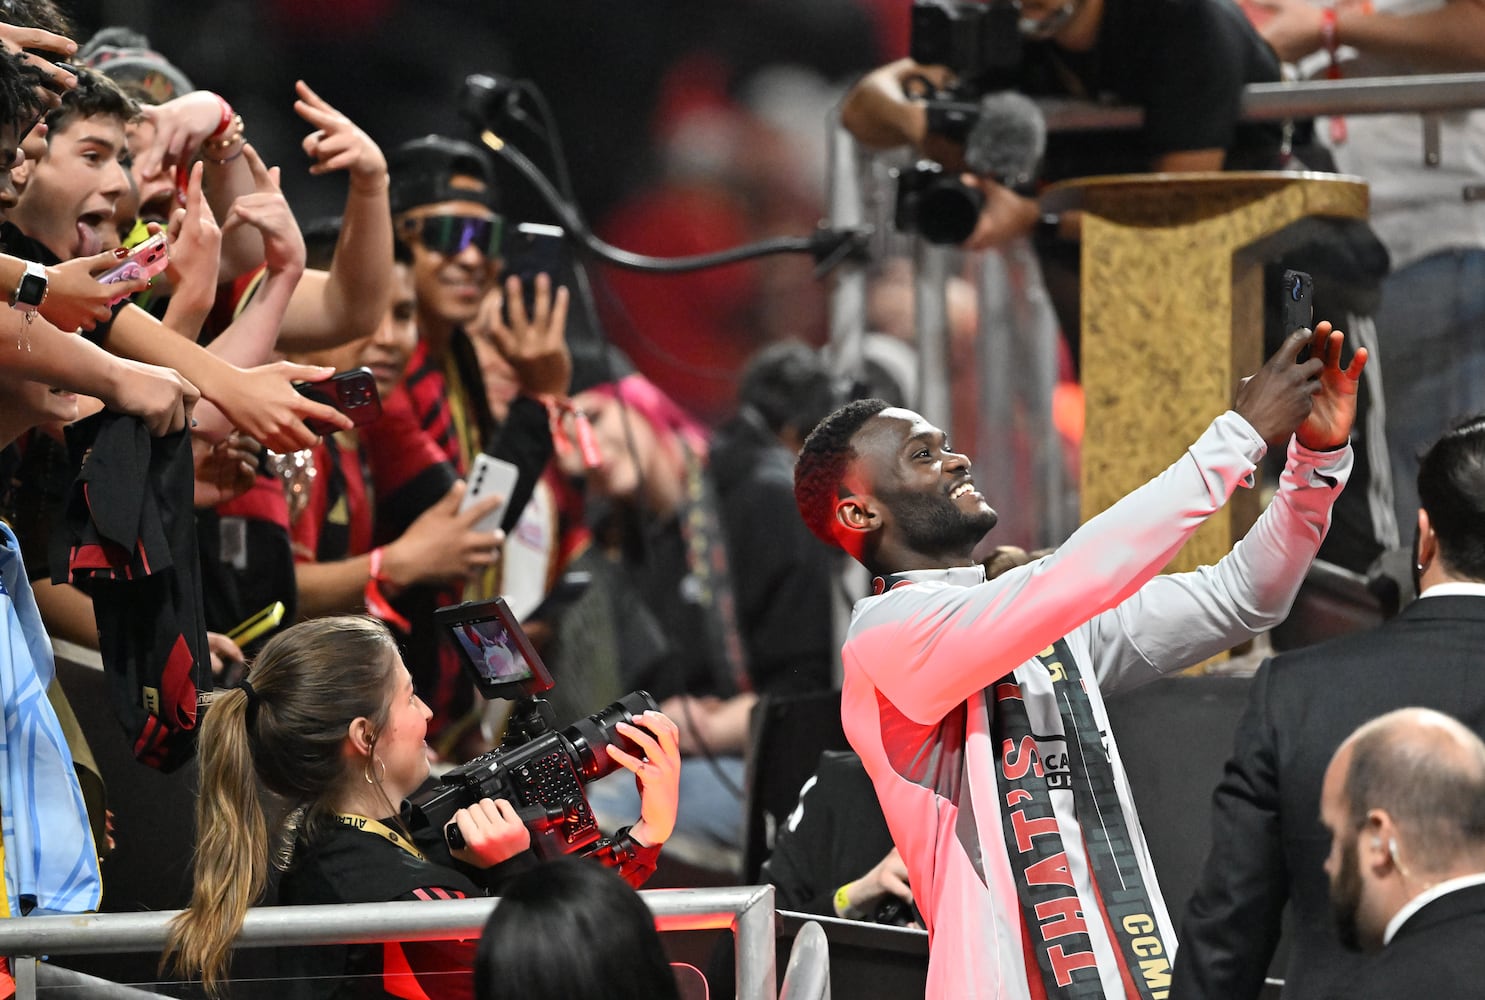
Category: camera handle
<point>531,718</point>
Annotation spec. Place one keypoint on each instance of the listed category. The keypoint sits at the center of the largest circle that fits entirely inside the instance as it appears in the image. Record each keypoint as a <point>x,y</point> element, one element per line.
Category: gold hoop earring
<point>379,778</point>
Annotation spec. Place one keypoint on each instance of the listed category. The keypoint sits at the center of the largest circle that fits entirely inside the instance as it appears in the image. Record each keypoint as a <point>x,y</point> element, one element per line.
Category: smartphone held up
<point>1299,293</point>
<point>352,393</point>
<point>144,261</point>
<point>529,250</point>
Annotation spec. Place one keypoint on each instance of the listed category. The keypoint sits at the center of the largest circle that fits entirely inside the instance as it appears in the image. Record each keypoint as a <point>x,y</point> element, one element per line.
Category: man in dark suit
<point>1404,801</point>
<point>1267,842</point>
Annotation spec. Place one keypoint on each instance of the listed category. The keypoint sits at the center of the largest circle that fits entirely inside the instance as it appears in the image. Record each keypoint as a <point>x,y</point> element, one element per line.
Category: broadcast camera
<point>539,769</point>
<point>980,42</point>
<point>1002,134</point>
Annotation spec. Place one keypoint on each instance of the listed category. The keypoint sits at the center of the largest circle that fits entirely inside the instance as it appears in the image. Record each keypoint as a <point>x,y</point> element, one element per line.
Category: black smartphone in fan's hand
<point>352,393</point>
<point>528,250</point>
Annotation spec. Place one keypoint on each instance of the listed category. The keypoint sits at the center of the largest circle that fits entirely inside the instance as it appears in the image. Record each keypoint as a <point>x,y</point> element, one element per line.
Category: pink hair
<point>664,414</point>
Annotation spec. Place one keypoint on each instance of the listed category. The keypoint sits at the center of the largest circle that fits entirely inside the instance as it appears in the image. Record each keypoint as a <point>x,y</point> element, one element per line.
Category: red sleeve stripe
<point>436,892</point>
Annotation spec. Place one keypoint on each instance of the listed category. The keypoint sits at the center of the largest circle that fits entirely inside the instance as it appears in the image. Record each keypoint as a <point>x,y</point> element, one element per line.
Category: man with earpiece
<point>1404,801</point>
<point>1268,845</point>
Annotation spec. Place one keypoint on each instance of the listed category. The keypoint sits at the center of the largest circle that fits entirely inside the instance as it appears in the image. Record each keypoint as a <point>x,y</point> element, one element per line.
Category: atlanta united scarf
<point>1036,757</point>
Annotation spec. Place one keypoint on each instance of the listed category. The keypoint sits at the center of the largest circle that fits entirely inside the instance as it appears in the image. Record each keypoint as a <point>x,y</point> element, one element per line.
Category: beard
<point>1345,898</point>
<point>934,525</point>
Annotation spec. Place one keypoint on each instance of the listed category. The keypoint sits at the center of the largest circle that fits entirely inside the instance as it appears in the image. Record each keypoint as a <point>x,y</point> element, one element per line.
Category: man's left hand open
<point>1334,408</point>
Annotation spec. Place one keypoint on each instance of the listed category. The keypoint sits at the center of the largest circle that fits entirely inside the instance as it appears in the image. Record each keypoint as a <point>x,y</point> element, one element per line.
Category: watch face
<point>31,290</point>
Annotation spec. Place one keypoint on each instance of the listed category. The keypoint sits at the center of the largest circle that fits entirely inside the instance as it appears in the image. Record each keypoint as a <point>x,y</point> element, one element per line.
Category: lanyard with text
<point>379,828</point>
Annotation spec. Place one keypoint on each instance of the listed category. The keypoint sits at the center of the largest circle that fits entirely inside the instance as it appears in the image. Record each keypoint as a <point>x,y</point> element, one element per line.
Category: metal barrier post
<point>845,351</point>
<point>931,321</point>
<point>23,971</point>
<point>754,928</point>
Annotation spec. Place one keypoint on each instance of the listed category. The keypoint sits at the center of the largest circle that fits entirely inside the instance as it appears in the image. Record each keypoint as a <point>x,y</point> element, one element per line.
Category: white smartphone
<point>490,477</point>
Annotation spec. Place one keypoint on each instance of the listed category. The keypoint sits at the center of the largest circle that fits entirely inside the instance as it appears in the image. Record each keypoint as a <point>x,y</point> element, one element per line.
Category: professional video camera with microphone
<point>1002,133</point>
<point>539,769</point>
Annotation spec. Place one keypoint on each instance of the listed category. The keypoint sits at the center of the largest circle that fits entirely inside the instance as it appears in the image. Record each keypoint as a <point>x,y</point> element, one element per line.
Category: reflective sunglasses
<point>450,234</point>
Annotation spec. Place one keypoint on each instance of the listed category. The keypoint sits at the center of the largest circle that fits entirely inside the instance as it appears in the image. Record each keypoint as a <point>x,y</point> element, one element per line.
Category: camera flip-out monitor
<point>494,649</point>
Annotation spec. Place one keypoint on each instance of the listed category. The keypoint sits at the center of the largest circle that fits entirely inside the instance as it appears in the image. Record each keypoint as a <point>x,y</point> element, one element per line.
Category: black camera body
<point>936,204</point>
<point>538,769</point>
<point>980,42</point>
<point>895,911</point>
<point>541,771</point>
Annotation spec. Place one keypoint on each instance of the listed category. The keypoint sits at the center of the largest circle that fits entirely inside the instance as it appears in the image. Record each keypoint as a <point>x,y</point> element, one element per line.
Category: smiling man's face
<point>930,500</point>
<point>70,193</point>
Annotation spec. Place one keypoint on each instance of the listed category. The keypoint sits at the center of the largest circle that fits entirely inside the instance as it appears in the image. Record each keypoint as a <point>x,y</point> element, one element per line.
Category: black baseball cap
<point>421,171</point>
<point>595,362</point>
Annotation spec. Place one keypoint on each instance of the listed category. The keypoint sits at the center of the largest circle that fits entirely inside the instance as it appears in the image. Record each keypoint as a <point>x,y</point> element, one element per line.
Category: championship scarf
<point>1054,915</point>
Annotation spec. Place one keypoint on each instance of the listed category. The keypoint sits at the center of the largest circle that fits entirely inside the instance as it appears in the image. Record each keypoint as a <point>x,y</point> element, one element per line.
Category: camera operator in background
<point>1183,63</point>
<point>329,723</point>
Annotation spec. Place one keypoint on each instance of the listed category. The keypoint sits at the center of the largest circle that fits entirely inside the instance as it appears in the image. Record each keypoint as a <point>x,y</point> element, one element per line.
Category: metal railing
<point>1301,99</point>
<point>748,911</point>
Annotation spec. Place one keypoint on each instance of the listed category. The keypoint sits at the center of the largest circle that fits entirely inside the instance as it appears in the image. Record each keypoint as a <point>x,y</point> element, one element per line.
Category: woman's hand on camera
<point>492,833</point>
<point>658,775</point>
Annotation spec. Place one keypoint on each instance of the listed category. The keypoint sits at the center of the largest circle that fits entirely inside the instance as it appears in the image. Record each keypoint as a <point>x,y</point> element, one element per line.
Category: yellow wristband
<point>843,901</point>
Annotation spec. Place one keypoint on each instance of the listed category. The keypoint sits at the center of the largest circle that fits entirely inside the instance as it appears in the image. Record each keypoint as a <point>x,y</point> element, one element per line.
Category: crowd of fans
<point>281,423</point>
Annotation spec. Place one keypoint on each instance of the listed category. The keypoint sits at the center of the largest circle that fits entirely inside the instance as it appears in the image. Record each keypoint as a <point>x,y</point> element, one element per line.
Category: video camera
<point>539,769</point>
<point>935,203</point>
<point>1002,134</point>
<point>980,42</point>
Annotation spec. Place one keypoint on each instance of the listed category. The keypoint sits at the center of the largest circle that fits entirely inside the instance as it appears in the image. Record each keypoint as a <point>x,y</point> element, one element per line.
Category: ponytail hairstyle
<point>285,728</point>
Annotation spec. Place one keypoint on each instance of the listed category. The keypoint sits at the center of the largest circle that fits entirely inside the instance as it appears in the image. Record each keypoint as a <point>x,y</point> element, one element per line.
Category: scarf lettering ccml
<point>1032,766</point>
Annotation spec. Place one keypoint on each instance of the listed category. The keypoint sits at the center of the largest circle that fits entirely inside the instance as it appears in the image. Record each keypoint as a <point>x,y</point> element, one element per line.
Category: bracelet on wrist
<point>228,116</point>
<point>227,158</point>
<point>843,901</point>
<point>228,147</point>
<point>376,601</point>
<point>1329,38</point>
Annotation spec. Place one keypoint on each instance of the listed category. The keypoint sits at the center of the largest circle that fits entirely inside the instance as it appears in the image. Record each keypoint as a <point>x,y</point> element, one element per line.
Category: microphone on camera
<point>1007,140</point>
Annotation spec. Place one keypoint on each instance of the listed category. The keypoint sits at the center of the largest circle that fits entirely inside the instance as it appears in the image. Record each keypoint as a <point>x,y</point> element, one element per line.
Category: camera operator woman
<point>329,723</point>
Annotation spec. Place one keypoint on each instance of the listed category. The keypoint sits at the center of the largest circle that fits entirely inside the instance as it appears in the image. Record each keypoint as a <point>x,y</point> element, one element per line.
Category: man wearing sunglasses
<point>445,207</point>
